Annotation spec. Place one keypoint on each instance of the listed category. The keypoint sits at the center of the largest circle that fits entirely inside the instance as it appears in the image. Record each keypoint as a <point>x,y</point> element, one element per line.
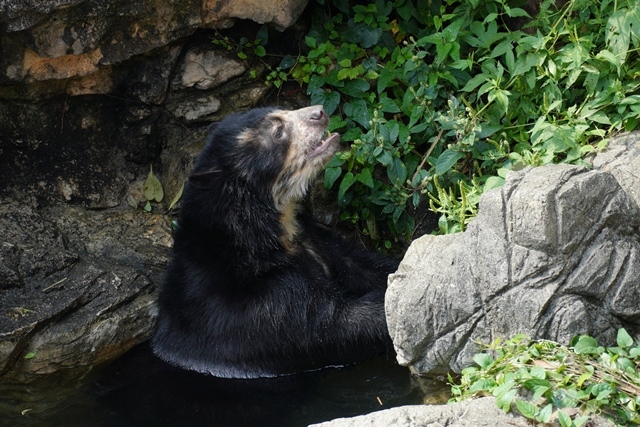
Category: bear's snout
<point>314,116</point>
<point>317,114</point>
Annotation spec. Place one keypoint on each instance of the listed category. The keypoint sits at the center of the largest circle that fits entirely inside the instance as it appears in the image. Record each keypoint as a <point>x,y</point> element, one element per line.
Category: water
<point>139,390</point>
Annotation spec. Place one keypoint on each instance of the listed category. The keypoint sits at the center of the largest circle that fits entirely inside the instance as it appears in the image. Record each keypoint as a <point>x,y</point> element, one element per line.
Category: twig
<point>59,282</point>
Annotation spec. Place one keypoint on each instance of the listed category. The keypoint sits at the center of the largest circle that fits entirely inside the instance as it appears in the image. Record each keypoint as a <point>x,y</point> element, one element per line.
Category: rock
<point>76,296</point>
<point>622,159</point>
<point>199,109</point>
<point>205,69</point>
<point>482,412</point>
<point>552,254</point>
<point>82,151</point>
<point>63,39</point>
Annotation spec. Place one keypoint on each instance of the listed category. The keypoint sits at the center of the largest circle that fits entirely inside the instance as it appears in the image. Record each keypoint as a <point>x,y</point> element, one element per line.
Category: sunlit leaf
<point>446,161</point>
<point>152,188</point>
<point>624,339</point>
<point>177,197</point>
<point>527,409</point>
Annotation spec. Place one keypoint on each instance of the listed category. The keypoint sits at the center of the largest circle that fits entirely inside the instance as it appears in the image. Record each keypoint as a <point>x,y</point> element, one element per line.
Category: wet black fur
<point>236,302</point>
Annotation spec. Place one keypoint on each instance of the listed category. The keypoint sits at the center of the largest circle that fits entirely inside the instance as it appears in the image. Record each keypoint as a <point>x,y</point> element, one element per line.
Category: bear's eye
<point>278,132</point>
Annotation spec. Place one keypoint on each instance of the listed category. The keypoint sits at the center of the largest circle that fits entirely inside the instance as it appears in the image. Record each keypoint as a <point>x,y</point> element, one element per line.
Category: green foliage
<point>152,188</point>
<point>153,191</point>
<point>439,100</point>
<point>544,380</point>
<point>276,76</point>
<point>257,46</point>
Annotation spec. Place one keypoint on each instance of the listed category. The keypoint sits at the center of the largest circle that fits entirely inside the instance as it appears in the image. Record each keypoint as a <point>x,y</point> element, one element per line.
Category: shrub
<point>544,380</point>
<point>439,100</point>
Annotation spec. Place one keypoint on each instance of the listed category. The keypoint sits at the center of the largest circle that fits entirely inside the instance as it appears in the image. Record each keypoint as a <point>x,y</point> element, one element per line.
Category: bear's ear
<point>204,179</point>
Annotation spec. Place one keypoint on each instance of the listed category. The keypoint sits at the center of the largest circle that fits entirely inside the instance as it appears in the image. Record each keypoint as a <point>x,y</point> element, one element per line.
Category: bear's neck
<point>289,225</point>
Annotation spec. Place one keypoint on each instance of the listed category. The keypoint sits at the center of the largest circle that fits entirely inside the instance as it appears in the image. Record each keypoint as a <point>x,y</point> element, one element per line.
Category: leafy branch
<point>544,380</point>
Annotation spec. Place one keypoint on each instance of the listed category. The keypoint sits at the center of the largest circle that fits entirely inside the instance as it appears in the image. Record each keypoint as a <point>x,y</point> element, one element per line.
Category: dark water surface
<point>140,390</point>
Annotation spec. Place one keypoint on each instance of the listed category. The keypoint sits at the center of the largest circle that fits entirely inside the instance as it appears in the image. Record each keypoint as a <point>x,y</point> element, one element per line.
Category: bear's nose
<point>317,113</point>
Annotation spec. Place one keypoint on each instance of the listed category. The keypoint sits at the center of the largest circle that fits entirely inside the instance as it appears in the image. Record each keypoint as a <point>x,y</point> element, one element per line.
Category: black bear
<point>255,287</point>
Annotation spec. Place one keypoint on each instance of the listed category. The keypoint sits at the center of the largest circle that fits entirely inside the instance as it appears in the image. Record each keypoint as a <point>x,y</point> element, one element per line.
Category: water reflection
<point>139,390</point>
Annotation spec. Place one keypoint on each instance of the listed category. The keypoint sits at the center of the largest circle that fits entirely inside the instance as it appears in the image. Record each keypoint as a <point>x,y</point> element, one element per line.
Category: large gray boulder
<point>553,253</point>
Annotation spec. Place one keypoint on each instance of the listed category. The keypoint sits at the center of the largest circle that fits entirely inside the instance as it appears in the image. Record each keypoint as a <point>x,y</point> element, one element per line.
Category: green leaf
<point>447,160</point>
<point>482,384</point>
<point>624,340</point>
<point>587,345</point>
<point>527,409</point>
<point>583,377</point>
<point>344,73</point>
<point>30,355</point>
<point>388,105</point>
<point>260,51</point>
<point>483,360</point>
<point>331,174</point>
<point>539,391</point>
<point>132,201</point>
<point>287,62</point>
<point>502,96</point>
<point>346,183</point>
<point>331,102</point>
<point>356,88</point>
<point>504,400</point>
<point>502,48</point>
<point>599,117</point>
<point>545,413</point>
<point>516,12</point>
<point>474,82</point>
<point>564,419</point>
<point>390,131</point>
<point>357,110</point>
<point>397,171</point>
<point>177,197</point>
<point>152,188</point>
<point>609,57</point>
<point>385,79</point>
<point>490,17</point>
<point>311,41</point>
<point>329,99</point>
<point>262,36</point>
<point>621,25</point>
<point>365,177</point>
<point>398,210</point>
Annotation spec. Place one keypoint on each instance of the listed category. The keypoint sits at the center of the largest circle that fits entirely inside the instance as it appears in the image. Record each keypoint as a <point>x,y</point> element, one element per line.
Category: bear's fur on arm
<point>256,288</point>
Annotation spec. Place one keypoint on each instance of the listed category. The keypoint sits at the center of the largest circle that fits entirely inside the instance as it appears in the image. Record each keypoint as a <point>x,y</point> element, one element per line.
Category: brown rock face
<point>58,40</point>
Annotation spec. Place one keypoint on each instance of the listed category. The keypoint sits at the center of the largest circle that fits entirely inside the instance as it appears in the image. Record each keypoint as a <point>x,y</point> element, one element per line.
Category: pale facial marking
<point>300,166</point>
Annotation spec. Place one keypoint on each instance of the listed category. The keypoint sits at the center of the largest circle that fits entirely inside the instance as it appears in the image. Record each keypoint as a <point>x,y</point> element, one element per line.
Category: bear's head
<point>274,151</point>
